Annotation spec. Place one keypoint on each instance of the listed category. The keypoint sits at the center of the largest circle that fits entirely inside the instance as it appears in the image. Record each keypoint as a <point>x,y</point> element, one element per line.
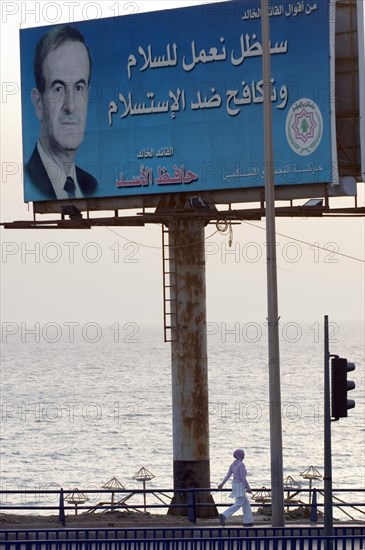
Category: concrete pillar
<point>190,366</point>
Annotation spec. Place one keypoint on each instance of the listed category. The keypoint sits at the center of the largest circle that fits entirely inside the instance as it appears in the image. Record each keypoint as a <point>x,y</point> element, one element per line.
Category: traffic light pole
<point>328,510</point>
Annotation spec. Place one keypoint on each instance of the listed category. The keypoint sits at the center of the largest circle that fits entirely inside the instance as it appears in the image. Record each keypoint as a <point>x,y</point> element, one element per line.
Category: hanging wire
<point>224,227</point>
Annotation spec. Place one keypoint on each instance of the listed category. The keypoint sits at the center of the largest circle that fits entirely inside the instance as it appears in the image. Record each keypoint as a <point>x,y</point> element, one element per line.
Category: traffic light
<point>340,386</point>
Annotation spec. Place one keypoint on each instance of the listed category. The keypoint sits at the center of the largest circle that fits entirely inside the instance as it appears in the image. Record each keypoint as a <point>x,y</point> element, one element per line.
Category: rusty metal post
<point>190,368</point>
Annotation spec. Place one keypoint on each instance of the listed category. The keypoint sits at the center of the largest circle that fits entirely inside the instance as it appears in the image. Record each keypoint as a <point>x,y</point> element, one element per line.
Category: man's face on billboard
<point>62,108</point>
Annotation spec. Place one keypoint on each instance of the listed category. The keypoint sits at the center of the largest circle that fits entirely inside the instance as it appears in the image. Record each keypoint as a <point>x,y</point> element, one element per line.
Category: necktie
<point>70,188</point>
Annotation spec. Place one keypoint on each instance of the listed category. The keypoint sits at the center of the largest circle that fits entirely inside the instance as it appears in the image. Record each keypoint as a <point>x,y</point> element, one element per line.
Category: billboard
<point>174,101</point>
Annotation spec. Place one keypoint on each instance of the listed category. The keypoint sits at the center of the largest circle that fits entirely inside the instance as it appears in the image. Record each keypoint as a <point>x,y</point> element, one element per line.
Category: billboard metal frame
<point>72,218</point>
<point>348,86</point>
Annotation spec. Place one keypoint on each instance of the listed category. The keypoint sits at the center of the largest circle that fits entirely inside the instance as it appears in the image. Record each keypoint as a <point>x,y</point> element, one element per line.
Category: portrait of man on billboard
<point>62,70</point>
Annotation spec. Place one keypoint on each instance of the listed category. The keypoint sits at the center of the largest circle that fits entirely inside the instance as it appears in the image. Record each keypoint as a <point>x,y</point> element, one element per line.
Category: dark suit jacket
<point>37,180</point>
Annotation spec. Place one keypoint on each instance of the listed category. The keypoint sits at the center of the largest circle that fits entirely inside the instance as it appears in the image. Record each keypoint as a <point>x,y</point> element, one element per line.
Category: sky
<point>114,275</point>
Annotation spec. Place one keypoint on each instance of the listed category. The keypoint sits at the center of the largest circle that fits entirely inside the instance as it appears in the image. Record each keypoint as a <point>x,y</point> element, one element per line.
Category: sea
<point>82,404</point>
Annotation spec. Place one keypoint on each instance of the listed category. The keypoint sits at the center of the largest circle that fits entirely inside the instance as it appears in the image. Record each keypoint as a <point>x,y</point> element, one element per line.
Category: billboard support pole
<point>189,368</point>
<point>276,446</point>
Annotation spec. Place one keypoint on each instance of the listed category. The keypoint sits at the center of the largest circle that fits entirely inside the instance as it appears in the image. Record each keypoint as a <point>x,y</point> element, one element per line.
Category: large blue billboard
<point>172,101</point>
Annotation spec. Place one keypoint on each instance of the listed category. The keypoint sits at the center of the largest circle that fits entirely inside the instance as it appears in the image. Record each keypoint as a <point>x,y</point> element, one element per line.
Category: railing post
<point>191,506</point>
<point>314,510</point>
<point>61,514</point>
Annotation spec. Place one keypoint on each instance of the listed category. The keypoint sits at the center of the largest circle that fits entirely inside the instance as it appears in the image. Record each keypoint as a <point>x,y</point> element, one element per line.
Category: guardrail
<point>317,542</point>
<point>61,501</point>
<point>123,533</point>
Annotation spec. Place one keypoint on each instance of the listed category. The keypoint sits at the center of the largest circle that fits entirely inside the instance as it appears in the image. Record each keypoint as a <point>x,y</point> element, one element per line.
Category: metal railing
<point>305,542</point>
<point>192,499</point>
<point>122,533</point>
